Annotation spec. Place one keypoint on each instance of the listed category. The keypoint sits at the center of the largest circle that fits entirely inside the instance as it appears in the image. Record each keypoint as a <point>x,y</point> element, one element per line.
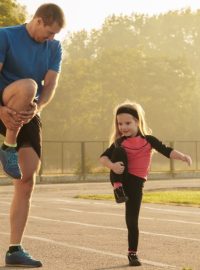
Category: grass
<point>178,197</point>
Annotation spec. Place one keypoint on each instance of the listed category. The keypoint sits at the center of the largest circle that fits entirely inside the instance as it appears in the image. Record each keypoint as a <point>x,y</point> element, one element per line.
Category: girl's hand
<point>118,167</point>
<point>181,156</point>
<point>187,159</point>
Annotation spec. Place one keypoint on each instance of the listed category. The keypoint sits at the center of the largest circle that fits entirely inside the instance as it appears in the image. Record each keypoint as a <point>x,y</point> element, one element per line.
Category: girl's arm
<point>105,161</point>
<point>117,167</point>
<point>180,156</point>
<point>167,151</point>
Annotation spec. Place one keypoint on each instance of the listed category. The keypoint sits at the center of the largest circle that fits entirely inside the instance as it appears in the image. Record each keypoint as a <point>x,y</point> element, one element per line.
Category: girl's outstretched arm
<point>180,156</point>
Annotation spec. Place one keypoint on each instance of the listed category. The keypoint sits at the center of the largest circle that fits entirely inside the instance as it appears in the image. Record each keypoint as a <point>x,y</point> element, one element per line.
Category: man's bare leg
<point>17,96</point>
<point>19,211</point>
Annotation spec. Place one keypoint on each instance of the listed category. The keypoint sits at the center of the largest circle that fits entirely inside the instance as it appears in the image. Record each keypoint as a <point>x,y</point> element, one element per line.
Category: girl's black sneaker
<point>133,259</point>
<point>120,195</point>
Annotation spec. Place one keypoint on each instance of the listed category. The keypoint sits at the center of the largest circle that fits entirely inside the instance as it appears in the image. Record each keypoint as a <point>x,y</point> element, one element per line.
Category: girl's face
<point>127,124</point>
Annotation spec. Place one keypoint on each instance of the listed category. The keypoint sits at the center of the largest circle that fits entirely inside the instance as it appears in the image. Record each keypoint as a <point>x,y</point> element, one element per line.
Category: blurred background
<point>151,58</point>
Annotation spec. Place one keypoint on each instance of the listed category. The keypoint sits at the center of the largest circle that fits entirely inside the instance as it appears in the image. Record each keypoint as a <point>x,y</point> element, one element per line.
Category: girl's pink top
<point>139,155</point>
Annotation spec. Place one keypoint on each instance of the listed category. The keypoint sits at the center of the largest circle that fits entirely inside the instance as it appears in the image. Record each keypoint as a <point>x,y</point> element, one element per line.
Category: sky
<point>90,14</point>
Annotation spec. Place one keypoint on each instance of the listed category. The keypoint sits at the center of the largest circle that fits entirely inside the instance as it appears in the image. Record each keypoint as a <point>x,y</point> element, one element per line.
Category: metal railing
<point>82,158</point>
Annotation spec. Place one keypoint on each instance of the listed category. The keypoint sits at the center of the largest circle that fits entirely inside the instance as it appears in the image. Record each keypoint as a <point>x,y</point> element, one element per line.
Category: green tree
<point>153,60</point>
<point>11,13</point>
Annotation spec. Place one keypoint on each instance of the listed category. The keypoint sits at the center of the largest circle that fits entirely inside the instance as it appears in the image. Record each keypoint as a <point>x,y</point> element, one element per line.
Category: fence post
<point>62,157</point>
<point>83,172</point>
<point>196,150</point>
<point>41,169</point>
<point>172,167</point>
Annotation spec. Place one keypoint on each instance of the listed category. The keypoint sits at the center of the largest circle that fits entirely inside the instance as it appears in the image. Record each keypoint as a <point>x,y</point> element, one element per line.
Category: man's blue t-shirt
<point>23,57</point>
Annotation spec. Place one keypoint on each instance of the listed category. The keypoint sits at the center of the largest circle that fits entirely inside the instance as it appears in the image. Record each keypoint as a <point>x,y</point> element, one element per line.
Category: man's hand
<point>26,116</point>
<point>9,118</point>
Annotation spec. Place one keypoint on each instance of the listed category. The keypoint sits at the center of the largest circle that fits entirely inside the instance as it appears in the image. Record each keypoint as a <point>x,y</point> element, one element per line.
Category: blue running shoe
<point>21,258</point>
<point>9,160</point>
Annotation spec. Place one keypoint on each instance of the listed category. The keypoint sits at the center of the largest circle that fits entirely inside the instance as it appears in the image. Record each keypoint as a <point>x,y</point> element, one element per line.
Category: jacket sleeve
<point>108,152</point>
<point>159,146</point>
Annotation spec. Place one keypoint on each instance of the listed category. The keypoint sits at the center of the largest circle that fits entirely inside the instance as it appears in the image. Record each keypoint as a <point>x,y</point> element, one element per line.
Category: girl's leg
<point>133,188</point>
<point>119,154</point>
<point>117,180</point>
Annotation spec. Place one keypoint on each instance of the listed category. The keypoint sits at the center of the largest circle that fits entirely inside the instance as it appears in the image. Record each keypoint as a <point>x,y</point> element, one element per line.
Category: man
<point>30,60</point>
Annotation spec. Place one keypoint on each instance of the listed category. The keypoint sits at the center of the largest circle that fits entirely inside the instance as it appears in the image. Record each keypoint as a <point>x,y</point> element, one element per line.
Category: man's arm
<point>48,91</point>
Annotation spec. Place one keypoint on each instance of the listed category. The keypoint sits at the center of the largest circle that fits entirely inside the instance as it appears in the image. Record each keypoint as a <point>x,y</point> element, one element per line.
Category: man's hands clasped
<point>14,120</point>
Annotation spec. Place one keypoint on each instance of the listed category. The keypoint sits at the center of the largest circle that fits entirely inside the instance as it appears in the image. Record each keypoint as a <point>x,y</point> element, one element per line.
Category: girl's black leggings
<point>133,186</point>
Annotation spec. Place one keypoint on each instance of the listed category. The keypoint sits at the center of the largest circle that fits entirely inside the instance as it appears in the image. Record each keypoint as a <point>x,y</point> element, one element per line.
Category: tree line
<point>154,60</point>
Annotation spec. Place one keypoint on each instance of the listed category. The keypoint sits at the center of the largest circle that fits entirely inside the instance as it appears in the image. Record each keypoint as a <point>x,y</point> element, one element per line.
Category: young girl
<point>128,158</point>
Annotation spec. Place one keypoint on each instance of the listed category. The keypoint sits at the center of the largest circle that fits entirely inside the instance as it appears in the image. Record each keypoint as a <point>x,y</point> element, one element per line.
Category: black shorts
<point>29,135</point>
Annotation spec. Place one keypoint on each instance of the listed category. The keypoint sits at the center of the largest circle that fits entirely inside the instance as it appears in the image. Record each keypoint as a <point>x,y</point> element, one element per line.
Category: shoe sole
<point>122,200</point>
<point>135,264</point>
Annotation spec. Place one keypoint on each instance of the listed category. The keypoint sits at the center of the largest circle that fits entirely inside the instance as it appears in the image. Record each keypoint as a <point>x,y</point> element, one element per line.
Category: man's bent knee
<point>20,90</point>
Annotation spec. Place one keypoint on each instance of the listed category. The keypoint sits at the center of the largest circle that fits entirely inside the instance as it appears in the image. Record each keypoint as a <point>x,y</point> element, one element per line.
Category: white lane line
<point>72,210</point>
<point>78,202</point>
<point>92,250</point>
<point>92,212</point>
<point>172,210</point>
<point>174,220</point>
<point>112,204</point>
<point>122,215</point>
<point>9,204</point>
<point>109,228</point>
<point>53,200</point>
<point>113,228</point>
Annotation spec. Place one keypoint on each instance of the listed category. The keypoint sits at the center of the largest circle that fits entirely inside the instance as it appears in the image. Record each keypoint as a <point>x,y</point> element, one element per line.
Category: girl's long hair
<point>142,125</point>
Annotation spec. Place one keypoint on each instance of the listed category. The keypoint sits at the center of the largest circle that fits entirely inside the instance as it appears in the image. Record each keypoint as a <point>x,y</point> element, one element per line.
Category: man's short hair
<point>51,13</point>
